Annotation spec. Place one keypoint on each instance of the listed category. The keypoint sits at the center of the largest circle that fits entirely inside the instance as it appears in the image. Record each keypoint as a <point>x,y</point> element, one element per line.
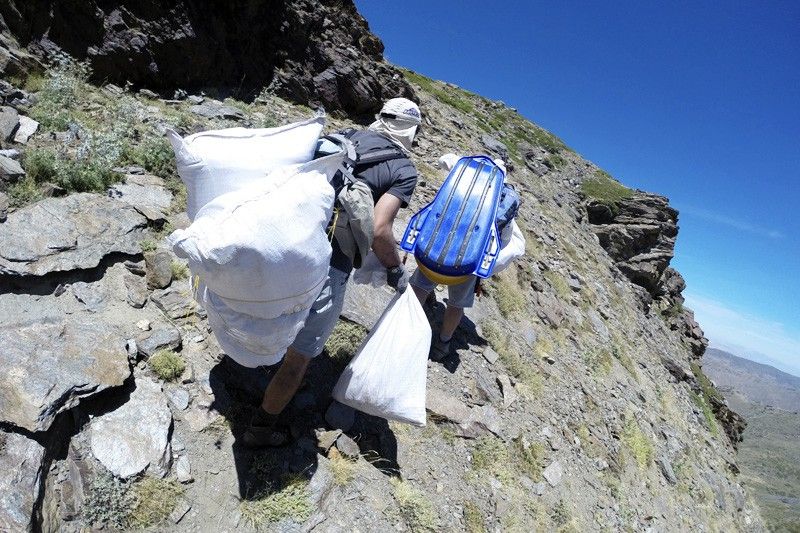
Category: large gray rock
<point>27,127</point>
<point>9,120</point>
<point>4,205</point>
<point>63,234</point>
<point>135,437</point>
<point>46,367</point>
<point>174,303</point>
<point>162,337</point>
<point>146,193</point>
<point>10,171</point>
<point>20,480</point>
<point>159,269</point>
<point>211,109</point>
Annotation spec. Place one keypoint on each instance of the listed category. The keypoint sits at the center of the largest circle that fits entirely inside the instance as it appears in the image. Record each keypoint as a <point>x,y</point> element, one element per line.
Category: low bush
<point>167,364</point>
<point>153,501</point>
<point>291,501</point>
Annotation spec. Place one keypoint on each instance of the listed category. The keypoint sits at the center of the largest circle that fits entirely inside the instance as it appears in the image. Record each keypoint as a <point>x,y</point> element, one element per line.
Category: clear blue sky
<point>699,101</point>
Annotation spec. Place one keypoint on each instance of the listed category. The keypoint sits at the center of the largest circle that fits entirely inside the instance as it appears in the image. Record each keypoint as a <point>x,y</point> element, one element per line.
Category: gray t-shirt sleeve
<point>404,175</point>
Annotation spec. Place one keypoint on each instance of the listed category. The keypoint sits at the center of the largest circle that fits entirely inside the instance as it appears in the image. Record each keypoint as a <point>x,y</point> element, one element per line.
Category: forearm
<point>385,247</point>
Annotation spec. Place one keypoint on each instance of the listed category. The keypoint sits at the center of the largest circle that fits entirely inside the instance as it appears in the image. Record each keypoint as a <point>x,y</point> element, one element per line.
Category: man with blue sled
<point>463,235</point>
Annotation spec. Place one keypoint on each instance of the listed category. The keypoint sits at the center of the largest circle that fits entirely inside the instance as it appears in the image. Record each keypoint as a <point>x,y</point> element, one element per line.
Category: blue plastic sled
<point>456,235</point>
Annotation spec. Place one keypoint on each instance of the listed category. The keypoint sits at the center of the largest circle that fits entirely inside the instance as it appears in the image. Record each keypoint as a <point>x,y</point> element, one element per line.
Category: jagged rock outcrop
<point>63,234</point>
<point>20,480</point>
<point>125,449</point>
<point>311,52</point>
<point>639,234</point>
<point>48,367</point>
<point>680,318</point>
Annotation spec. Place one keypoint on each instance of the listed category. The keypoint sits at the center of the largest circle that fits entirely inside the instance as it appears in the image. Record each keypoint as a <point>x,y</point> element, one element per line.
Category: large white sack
<point>251,341</point>
<point>387,377</point>
<point>212,163</point>
<point>511,251</point>
<point>263,249</point>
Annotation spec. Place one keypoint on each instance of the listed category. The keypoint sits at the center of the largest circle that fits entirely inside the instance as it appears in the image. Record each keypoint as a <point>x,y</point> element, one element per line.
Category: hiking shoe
<point>439,349</point>
<point>262,432</point>
<point>264,437</point>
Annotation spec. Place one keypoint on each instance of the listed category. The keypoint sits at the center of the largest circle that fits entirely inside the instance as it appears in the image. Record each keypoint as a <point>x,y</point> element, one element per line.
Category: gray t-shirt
<point>397,177</point>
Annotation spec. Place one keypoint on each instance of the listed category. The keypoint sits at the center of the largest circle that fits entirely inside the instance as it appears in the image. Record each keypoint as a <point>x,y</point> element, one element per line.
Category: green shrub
<point>23,192</point>
<point>555,162</point>
<point>59,94</point>
<point>456,98</point>
<point>558,283</point>
<point>155,155</point>
<point>179,270</point>
<point>637,443</point>
<point>625,360</point>
<point>605,189</point>
<point>709,390</point>
<point>599,361</point>
<point>529,458</point>
<point>108,502</point>
<point>167,364</point>
<point>415,508</point>
<point>291,501</point>
<point>708,413</point>
<point>510,299</point>
<point>473,518</point>
<point>673,311</point>
<point>154,500</point>
<point>80,173</point>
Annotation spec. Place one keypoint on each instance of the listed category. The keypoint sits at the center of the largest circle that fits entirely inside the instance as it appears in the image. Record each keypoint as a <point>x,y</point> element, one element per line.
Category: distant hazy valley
<point>769,456</point>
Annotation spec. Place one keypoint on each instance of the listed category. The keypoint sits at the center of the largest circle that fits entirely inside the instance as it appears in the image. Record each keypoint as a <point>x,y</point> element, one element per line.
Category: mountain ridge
<point>574,400</point>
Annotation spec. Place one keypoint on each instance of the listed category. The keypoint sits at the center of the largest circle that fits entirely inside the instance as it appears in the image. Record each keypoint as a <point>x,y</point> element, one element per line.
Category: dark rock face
<point>732,422</point>
<point>243,46</point>
<point>680,318</point>
<point>639,234</point>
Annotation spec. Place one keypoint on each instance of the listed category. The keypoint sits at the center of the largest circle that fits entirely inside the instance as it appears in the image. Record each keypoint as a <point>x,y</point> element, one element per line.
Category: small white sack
<point>372,272</point>
<point>511,251</point>
<point>448,161</point>
<point>388,375</point>
<point>212,163</point>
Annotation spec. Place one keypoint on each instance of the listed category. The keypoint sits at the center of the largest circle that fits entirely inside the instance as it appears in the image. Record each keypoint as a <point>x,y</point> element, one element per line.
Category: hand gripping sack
<point>212,163</point>
<point>387,377</point>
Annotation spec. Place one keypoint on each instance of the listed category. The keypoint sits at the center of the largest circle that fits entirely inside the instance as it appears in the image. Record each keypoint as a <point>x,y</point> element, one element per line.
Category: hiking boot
<point>439,349</point>
<point>262,431</point>
<point>264,437</point>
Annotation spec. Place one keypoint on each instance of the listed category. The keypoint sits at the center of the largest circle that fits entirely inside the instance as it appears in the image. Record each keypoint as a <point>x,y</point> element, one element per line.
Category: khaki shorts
<point>461,295</point>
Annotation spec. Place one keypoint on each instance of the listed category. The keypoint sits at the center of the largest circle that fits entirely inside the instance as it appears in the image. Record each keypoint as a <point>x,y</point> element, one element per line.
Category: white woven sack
<point>251,341</point>
<point>263,249</point>
<point>212,163</point>
<point>388,375</point>
<point>511,251</point>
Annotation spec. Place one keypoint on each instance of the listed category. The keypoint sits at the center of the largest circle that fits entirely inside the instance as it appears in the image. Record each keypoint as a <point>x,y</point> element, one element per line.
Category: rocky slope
<point>574,401</point>
<point>314,52</point>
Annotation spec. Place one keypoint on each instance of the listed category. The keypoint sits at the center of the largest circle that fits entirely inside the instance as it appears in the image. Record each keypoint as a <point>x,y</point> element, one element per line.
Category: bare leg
<point>422,294</point>
<point>450,321</point>
<point>285,382</point>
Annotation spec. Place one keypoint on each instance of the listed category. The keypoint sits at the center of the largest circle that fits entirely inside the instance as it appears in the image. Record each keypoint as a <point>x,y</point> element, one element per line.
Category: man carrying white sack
<point>392,182</point>
<point>462,295</point>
